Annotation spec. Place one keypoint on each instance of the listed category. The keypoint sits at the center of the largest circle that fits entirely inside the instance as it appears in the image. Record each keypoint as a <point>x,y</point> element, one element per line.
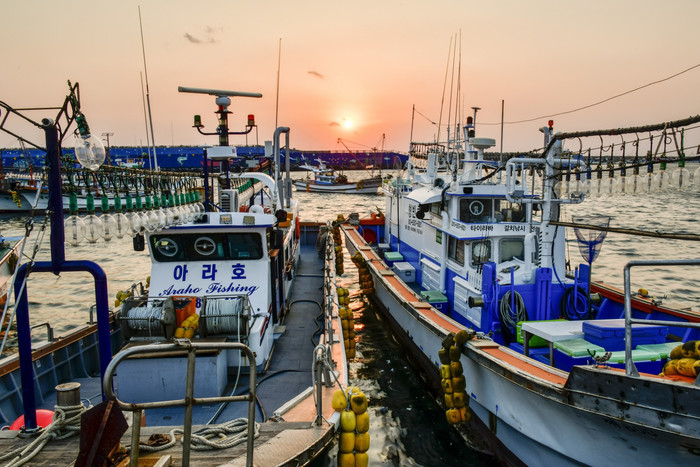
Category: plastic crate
<point>391,257</point>
<point>610,333</point>
<point>437,300</point>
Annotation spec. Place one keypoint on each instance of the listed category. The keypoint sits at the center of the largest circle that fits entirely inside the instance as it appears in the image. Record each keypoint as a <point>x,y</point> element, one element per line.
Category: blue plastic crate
<point>610,333</point>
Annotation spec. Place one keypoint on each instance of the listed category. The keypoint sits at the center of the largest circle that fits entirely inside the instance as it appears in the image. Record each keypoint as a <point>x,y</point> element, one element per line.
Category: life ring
<point>267,210</point>
<point>360,185</point>
<point>243,208</point>
<point>44,418</point>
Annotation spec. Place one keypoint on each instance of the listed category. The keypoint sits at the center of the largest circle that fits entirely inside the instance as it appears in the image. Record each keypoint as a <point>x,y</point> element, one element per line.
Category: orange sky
<point>367,62</point>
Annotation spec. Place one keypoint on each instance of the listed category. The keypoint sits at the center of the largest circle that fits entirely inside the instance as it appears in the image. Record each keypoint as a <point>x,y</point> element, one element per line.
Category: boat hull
<point>538,414</point>
<point>352,188</point>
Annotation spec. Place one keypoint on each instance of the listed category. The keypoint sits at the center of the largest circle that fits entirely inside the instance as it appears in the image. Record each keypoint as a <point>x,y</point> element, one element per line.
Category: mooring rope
<point>66,423</point>
<point>229,434</point>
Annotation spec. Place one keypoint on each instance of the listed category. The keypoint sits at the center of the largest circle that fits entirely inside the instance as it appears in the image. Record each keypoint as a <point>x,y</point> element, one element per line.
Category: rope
<point>229,434</point>
<point>66,423</point>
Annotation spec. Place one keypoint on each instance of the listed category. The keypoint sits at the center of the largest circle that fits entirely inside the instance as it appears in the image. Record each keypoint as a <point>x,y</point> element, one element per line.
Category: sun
<point>347,123</point>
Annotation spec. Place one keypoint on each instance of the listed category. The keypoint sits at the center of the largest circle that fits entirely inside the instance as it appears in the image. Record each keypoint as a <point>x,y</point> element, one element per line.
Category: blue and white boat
<point>535,362</point>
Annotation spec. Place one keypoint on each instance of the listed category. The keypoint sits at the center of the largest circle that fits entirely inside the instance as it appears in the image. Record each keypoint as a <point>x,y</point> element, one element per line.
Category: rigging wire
<point>600,102</point>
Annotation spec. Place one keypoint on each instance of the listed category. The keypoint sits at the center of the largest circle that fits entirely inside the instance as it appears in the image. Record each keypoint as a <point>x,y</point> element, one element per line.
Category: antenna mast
<point>148,97</point>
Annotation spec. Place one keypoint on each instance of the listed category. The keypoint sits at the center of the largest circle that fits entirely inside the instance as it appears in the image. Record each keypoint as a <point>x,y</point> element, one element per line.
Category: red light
<point>550,123</point>
<point>251,120</point>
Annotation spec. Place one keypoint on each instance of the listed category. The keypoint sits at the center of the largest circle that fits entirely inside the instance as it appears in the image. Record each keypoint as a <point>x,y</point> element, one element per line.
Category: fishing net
<point>589,240</point>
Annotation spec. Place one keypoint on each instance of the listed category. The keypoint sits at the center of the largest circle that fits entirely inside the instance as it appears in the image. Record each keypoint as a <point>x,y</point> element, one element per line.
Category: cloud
<point>192,39</point>
<point>334,124</point>
<point>316,74</point>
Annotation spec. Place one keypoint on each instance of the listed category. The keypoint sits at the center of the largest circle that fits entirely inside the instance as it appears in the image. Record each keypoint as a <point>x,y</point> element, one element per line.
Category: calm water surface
<point>407,425</point>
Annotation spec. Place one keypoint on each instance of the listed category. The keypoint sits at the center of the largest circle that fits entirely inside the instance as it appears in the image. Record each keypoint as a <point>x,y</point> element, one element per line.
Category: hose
<point>574,306</point>
<point>509,317</point>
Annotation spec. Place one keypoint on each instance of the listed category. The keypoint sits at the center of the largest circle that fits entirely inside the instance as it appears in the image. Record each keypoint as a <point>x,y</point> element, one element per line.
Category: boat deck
<point>288,374</point>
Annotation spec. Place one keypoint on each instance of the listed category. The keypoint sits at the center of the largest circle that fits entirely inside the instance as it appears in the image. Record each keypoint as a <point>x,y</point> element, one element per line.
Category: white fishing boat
<point>536,362</point>
<point>228,355</point>
<point>325,180</point>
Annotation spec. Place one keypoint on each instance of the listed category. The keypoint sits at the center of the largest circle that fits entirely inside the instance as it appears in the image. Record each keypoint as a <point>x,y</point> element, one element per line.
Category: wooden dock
<point>279,443</point>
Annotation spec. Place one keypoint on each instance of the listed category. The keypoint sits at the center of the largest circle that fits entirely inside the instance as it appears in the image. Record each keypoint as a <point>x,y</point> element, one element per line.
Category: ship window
<point>216,246</point>
<point>512,248</point>
<point>481,252</point>
<point>475,210</point>
<point>509,212</point>
<point>455,250</point>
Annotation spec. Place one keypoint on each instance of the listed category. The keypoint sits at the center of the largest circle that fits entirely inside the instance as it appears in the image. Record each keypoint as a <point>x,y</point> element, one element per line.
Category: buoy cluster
<point>683,360</point>
<point>354,427</point>
<point>338,246</point>
<point>453,381</point>
<point>188,327</point>
<point>121,296</point>
<point>347,322</point>
<point>365,277</point>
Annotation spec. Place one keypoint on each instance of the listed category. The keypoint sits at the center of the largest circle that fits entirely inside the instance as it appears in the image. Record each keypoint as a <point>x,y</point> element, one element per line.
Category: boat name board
<point>199,278</point>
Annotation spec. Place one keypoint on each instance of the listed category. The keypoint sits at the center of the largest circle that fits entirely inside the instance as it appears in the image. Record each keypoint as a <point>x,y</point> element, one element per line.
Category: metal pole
<point>189,395</point>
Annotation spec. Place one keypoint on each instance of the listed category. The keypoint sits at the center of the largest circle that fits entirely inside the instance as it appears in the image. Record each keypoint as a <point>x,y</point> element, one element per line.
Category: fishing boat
<point>537,363</point>
<point>325,180</point>
<point>228,354</point>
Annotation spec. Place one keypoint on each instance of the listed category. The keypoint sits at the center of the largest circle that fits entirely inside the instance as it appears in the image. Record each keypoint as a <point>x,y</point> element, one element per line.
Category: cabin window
<point>481,252</point>
<point>512,248</point>
<point>455,250</point>
<point>508,212</point>
<point>435,209</point>
<point>475,210</point>
<point>204,247</point>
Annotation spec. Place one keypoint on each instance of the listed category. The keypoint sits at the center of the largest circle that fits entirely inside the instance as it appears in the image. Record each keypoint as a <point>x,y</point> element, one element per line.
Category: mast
<point>148,97</point>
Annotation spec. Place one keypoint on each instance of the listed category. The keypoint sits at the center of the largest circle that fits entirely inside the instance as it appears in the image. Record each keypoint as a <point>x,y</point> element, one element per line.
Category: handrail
<point>630,368</point>
<point>189,401</point>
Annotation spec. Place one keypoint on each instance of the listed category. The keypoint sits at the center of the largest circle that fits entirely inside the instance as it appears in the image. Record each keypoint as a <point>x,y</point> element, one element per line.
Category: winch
<point>225,316</point>
<point>148,318</point>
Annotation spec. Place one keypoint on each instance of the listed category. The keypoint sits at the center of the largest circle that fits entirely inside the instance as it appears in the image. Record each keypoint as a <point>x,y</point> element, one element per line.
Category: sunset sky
<point>353,70</point>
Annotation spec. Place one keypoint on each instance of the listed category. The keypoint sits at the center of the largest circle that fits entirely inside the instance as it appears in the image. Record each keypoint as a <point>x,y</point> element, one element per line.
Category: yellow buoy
<point>347,441</point>
<point>361,442</point>
<point>347,420</point>
<point>453,416</point>
<point>339,401</point>
<point>361,459</point>
<point>346,459</point>
<point>362,422</point>
<point>358,402</point>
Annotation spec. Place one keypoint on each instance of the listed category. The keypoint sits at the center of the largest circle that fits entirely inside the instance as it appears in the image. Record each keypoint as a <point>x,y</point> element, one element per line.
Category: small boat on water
<point>325,180</point>
<point>229,354</point>
<point>536,363</point>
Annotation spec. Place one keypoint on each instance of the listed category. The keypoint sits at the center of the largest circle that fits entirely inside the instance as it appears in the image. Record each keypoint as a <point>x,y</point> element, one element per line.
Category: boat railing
<point>189,401</point>
<point>630,368</point>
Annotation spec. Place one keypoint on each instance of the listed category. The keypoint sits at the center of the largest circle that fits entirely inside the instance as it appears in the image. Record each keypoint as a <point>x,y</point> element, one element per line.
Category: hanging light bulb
<point>661,179</point>
<point>577,186</point>
<point>561,188</point>
<point>122,221</point>
<point>621,183</point>
<point>135,225</point>
<point>93,225</point>
<point>74,227</point>
<point>608,184</point>
<point>199,205</point>
<point>696,180</point>
<point>680,177</point>
<point>596,183</point>
<point>143,216</point>
<point>166,210</point>
<point>89,149</point>
<point>158,212</point>
<point>109,223</point>
<point>151,218</point>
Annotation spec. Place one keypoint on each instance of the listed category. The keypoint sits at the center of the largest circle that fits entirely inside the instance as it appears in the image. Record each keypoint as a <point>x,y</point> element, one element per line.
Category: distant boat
<point>325,180</point>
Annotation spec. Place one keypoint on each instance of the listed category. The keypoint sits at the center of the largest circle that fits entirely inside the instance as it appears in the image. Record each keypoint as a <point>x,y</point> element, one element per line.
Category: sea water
<point>408,427</point>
